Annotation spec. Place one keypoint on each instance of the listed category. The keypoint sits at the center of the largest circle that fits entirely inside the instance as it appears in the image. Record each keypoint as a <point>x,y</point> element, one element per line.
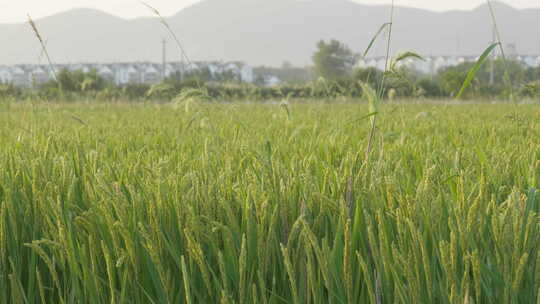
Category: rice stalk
<point>43,46</point>
<point>169,29</point>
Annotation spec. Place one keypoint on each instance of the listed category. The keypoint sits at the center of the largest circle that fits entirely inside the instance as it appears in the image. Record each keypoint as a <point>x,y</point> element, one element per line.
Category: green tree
<point>162,91</point>
<point>8,90</point>
<point>504,74</point>
<point>287,73</point>
<point>451,79</point>
<point>370,75</point>
<point>135,91</point>
<point>77,81</point>
<point>333,60</point>
<point>532,74</point>
<point>71,81</point>
<point>429,87</point>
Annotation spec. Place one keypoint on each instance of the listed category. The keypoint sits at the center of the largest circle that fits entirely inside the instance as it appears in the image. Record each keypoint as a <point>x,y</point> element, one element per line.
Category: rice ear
<point>43,46</point>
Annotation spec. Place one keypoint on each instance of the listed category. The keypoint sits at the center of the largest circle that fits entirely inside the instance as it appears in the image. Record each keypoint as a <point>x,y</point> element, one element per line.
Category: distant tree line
<point>332,75</point>
<point>497,78</point>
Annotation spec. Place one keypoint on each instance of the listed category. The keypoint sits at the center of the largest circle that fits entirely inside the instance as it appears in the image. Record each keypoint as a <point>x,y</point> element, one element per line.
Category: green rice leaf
<point>475,68</point>
<point>402,56</point>
<point>381,29</point>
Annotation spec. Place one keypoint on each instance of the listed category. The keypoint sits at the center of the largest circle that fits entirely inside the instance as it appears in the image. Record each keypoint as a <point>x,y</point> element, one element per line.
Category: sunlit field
<point>269,203</point>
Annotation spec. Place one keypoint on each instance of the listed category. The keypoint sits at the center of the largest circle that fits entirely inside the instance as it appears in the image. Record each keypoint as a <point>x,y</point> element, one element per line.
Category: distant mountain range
<point>265,32</point>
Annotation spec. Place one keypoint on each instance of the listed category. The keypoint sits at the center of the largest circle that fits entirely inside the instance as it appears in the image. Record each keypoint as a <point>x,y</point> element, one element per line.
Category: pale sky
<point>12,11</point>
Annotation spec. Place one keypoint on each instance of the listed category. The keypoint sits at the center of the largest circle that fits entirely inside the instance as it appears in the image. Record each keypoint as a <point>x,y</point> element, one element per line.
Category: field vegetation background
<point>325,195</point>
<point>298,83</point>
<point>240,203</point>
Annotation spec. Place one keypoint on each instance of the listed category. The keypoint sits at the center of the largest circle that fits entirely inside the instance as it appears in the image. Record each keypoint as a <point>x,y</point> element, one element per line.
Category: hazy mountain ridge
<point>264,32</point>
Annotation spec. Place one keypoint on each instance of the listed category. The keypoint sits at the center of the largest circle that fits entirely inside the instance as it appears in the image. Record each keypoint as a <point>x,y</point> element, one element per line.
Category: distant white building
<point>106,73</point>
<point>39,75</point>
<point>79,67</point>
<point>272,81</point>
<point>247,74</point>
<point>241,71</point>
<point>426,67</point>
<point>133,75</point>
<point>532,61</point>
<point>150,75</point>
<point>169,70</point>
<point>194,66</point>
<point>19,77</point>
<point>452,61</point>
<point>214,68</point>
<point>439,63</point>
<point>410,63</point>
<point>232,67</point>
<point>127,74</point>
<point>433,64</point>
<point>5,75</point>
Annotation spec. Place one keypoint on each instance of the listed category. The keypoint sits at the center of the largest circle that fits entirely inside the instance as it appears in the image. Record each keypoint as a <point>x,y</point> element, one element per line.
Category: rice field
<point>251,203</point>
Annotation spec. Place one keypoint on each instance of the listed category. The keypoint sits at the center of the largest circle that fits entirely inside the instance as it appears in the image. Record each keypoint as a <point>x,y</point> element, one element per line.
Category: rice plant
<point>374,99</point>
<point>234,204</point>
<point>142,204</point>
<point>42,43</point>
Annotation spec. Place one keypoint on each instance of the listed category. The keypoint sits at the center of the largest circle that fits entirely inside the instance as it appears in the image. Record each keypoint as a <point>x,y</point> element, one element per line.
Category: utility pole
<point>163,59</point>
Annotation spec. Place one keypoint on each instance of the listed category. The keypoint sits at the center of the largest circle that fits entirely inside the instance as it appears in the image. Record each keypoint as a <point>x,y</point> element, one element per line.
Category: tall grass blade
<point>507,79</point>
<point>472,72</point>
<point>169,29</point>
<point>373,102</point>
<point>402,56</point>
<point>377,34</point>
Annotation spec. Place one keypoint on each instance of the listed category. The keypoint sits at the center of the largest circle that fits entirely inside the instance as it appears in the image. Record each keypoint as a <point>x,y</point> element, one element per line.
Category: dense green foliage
<point>505,74</point>
<point>333,60</point>
<point>235,203</point>
<point>403,82</point>
<point>286,73</point>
